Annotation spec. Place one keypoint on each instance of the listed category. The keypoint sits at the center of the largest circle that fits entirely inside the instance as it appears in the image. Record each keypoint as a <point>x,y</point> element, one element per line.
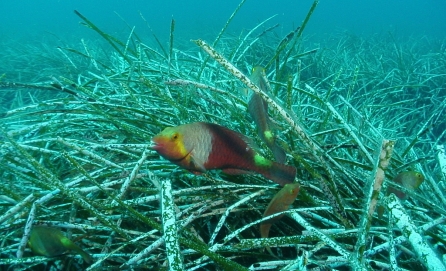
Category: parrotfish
<point>258,109</point>
<point>410,180</point>
<point>202,146</point>
<point>51,242</point>
<point>281,202</point>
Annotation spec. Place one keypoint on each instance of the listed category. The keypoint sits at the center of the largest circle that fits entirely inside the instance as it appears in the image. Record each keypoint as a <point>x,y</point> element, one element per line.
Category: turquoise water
<point>196,18</point>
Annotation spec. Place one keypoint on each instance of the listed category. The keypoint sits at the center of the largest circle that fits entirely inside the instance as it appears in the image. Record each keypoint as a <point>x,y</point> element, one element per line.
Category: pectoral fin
<point>197,164</point>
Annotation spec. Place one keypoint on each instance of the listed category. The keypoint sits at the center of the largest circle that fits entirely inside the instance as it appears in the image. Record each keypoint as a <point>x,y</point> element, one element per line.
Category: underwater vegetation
<point>76,153</point>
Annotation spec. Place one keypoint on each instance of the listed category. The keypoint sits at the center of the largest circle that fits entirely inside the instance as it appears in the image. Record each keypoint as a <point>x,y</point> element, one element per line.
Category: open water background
<point>30,19</point>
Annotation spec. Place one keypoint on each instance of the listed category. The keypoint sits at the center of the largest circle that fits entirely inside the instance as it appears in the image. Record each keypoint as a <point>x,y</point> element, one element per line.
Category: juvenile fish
<point>281,202</point>
<point>258,109</point>
<point>202,146</point>
<point>51,242</point>
<point>410,180</point>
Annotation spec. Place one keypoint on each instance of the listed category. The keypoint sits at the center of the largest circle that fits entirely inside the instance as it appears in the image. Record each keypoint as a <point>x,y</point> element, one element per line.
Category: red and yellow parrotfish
<point>410,180</point>
<point>281,202</point>
<point>51,242</point>
<point>258,109</point>
<point>202,146</point>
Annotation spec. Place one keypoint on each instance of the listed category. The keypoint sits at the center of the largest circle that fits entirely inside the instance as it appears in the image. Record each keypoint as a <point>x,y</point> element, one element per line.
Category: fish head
<point>412,180</point>
<point>288,193</point>
<point>258,77</point>
<point>170,144</point>
<point>292,189</point>
<point>258,71</point>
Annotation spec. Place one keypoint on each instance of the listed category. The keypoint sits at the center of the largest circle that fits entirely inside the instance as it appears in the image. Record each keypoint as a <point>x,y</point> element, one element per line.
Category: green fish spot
<point>261,161</point>
<point>268,135</point>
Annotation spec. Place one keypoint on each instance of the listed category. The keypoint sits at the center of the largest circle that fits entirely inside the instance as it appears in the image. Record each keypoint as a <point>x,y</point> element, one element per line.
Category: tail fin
<point>380,211</point>
<point>278,152</point>
<point>87,258</point>
<point>264,232</point>
<point>280,173</point>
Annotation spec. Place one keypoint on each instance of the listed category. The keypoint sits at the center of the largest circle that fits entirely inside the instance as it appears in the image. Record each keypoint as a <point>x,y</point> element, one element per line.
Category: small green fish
<point>258,109</point>
<point>410,180</point>
<point>281,202</point>
<point>51,242</point>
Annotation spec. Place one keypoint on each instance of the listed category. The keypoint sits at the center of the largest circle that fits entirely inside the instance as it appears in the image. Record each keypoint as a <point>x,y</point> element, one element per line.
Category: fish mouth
<point>159,147</point>
<point>156,146</point>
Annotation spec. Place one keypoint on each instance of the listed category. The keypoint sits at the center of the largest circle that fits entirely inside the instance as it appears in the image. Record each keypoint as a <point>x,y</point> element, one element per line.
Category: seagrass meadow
<point>76,128</point>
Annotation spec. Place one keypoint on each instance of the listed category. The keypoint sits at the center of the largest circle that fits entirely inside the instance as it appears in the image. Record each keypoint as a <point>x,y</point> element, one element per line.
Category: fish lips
<point>157,146</point>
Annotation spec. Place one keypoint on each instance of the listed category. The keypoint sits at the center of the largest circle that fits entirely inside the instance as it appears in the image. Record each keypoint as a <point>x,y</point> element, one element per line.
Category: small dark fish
<point>410,180</point>
<point>258,109</point>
